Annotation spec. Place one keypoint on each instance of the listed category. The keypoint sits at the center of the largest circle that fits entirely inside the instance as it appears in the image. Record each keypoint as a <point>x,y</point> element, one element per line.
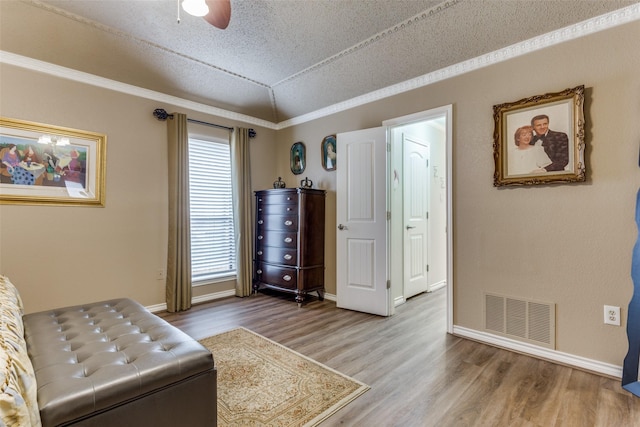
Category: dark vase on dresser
<point>289,244</point>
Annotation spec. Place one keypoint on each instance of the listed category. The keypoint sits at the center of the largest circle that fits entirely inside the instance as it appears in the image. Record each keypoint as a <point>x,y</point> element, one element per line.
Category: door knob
<point>342,227</point>
<point>409,227</point>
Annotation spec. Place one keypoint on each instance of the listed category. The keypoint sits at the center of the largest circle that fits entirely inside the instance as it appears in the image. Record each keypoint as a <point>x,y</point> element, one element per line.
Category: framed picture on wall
<point>46,164</point>
<point>298,158</point>
<point>328,152</point>
<point>540,140</point>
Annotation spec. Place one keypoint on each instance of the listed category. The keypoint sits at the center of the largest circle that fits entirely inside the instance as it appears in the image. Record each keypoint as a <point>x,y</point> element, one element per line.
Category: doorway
<point>420,168</point>
<point>371,233</point>
<point>418,208</point>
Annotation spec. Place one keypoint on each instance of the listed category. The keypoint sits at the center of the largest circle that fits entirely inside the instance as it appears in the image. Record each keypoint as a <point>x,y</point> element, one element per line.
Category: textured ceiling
<point>277,59</point>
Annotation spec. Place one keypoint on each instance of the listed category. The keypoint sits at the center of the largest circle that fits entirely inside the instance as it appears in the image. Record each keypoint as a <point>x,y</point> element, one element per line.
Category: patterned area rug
<point>262,383</point>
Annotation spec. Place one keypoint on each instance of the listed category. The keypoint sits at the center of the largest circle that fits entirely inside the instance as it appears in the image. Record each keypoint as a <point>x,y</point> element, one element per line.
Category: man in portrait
<point>555,144</point>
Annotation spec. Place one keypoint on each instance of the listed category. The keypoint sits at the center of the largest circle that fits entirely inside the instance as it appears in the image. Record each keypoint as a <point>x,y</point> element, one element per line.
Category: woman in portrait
<point>525,158</point>
<point>330,156</point>
<point>297,158</point>
<point>11,158</point>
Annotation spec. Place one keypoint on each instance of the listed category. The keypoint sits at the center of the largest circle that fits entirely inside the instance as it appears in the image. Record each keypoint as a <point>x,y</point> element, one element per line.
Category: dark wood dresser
<point>289,246</point>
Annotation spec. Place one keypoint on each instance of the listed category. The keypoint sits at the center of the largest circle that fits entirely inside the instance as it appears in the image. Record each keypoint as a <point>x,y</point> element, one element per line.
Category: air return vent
<point>530,321</point>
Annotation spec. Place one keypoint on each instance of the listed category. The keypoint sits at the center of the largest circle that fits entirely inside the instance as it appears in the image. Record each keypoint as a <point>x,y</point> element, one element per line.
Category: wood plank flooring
<point>418,374</point>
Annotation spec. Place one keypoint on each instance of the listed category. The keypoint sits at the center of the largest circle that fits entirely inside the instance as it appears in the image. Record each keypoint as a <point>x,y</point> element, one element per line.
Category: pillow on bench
<point>18,390</point>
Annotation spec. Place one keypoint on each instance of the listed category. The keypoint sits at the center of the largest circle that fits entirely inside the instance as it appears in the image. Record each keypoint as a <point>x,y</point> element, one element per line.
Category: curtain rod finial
<point>252,133</point>
<point>160,114</point>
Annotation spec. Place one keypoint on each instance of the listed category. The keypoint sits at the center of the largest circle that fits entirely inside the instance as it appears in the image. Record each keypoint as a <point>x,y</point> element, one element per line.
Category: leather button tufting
<point>97,360</point>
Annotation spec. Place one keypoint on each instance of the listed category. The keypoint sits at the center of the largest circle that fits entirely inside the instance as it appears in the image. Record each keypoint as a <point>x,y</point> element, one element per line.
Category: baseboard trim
<point>579,362</point>
<point>157,307</point>
<point>330,297</point>
<point>195,300</point>
<point>213,296</point>
<point>439,285</point>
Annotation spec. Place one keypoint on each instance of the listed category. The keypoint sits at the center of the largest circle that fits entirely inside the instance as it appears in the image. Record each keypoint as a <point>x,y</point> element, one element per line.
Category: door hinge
<point>427,268</point>
<point>388,147</point>
<point>388,284</point>
<point>427,162</point>
<point>427,215</point>
<point>388,215</point>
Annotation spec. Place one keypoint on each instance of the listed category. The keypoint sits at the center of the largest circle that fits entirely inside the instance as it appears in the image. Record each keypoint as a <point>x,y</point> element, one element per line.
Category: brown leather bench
<point>114,363</point>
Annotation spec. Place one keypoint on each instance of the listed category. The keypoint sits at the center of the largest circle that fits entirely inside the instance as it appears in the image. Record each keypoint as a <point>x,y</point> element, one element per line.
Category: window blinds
<point>212,236</point>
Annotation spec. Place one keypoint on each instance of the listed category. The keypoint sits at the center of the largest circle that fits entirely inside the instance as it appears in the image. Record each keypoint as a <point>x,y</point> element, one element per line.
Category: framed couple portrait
<point>540,139</point>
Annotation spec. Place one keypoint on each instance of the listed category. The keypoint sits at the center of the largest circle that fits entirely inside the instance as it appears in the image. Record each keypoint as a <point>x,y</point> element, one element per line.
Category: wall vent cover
<point>524,320</point>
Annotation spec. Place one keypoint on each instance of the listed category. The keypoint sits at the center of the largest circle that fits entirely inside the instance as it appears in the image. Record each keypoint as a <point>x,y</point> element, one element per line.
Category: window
<point>213,254</point>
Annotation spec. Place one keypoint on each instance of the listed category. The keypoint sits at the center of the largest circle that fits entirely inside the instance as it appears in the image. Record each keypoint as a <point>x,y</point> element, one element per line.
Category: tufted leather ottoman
<point>115,363</point>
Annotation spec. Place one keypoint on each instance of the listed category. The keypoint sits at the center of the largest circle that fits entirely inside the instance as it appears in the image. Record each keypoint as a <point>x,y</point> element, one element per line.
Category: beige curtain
<point>243,212</point>
<point>178,292</point>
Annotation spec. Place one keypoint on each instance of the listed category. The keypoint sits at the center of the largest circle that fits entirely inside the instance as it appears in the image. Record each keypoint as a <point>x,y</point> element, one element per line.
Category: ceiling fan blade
<point>219,13</point>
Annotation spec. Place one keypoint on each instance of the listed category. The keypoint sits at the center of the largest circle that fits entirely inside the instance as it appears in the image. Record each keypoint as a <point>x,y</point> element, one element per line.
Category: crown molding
<point>93,80</point>
<point>581,29</point>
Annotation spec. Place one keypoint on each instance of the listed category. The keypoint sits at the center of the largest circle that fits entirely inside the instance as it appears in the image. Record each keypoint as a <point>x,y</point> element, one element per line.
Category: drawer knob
<point>289,209</point>
<point>259,200</point>
<point>287,240</point>
<point>259,271</point>
<point>288,222</point>
<point>288,198</point>
<point>286,277</point>
<point>288,257</point>
<point>260,237</point>
<point>260,222</point>
<point>259,252</point>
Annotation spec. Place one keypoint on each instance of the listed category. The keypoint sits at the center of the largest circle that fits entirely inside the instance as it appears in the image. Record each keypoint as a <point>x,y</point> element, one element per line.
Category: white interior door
<point>361,215</point>
<point>415,215</point>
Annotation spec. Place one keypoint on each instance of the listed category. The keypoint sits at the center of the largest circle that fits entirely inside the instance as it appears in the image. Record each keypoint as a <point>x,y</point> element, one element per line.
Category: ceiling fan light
<point>195,7</point>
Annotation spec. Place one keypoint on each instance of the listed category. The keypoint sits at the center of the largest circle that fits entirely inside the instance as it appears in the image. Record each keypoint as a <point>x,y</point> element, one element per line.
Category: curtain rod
<point>162,115</point>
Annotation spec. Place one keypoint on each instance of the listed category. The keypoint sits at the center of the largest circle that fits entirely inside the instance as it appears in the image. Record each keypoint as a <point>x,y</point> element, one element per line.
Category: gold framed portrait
<point>540,139</point>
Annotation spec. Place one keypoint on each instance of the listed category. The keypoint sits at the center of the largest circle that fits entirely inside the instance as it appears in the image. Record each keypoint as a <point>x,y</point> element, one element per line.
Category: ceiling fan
<point>215,12</point>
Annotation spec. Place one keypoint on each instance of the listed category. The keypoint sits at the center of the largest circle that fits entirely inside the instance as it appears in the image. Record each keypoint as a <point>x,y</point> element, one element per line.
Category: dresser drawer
<point>279,209</point>
<point>277,222</point>
<point>275,198</point>
<point>277,238</point>
<point>277,255</point>
<point>285,277</point>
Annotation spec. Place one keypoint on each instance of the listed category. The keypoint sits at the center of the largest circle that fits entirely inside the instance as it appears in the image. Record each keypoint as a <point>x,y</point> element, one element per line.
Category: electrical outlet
<point>161,274</point>
<point>611,315</point>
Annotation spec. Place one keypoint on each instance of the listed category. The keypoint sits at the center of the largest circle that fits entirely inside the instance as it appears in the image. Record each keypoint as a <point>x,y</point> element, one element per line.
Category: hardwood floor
<point>418,374</point>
